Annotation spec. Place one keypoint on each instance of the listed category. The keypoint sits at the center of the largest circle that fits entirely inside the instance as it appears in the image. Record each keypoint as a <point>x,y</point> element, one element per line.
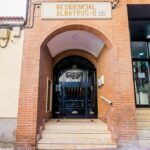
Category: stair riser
<point>77,141</point>
<point>143,112</point>
<point>144,143</point>
<point>76,123</point>
<point>143,117</point>
<point>96,128</point>
<point>75,136</point>
<point>143,124</point>
<point>71,147</point>
<point>91,131</point>
<point>144,134</point>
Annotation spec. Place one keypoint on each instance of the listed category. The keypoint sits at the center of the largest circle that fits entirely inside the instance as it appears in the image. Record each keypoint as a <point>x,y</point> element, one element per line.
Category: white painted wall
<point>10,69</point>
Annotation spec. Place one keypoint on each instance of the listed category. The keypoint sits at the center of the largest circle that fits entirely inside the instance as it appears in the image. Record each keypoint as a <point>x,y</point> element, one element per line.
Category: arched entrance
<point>37,69</point>
<point>74,90</point>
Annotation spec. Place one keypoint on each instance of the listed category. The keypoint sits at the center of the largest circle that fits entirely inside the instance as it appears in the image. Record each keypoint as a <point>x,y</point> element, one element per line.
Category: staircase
<point>143,124</point>
<point>70,134</point>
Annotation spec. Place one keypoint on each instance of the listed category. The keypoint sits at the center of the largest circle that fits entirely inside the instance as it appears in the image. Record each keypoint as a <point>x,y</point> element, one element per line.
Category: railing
<point>106,100</point>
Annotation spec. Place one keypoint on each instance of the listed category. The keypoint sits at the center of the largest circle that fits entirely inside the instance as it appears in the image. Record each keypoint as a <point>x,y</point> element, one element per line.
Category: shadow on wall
<point>7,133</point>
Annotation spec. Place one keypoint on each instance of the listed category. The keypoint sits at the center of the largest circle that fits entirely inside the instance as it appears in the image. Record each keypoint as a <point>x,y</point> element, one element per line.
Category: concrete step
<point>72,146</point>
<point>73,140</point>
<point>143,124</point>
<point>76,131</point>
<point>144,143</point>
<point>76,123</point>
<point>144,134</point>
<point>80,134</point>
<point>75,136</point>
<point>75,120</point>
<point>75,128</point>
<point>145,111</point>
<point>143,117</point>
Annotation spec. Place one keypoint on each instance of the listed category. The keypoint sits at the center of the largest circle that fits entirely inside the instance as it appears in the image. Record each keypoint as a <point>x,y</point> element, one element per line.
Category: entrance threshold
<point>75,120</point>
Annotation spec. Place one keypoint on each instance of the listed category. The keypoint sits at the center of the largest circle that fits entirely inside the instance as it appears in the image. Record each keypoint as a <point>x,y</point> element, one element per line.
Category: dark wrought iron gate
<point>74,93</point>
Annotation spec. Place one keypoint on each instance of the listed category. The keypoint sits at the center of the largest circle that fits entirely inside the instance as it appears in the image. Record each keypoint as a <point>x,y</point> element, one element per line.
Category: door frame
<point>49,92</point>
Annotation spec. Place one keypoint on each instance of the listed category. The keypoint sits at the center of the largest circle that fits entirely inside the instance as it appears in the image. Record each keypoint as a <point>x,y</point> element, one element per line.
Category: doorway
<point>74,91</point>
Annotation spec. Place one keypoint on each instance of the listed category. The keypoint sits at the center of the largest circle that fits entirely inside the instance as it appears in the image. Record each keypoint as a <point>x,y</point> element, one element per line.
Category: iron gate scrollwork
<point>75,93</point>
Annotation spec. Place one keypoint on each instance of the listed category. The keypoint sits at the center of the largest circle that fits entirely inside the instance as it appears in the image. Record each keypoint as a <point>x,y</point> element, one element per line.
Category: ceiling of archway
<point>75,39</point>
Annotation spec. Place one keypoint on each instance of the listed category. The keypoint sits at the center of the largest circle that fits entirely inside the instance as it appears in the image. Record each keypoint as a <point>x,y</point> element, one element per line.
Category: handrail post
<point>106,100</point>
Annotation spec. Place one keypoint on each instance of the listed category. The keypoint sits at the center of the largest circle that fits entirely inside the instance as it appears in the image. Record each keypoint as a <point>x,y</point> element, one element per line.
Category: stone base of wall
<point>7,132</point>
<point>25,147</point>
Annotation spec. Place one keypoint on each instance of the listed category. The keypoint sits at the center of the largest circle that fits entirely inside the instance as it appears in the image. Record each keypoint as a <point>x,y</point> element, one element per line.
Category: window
<point>142,82</point>
<point>141,72</point>
<point>139,50</point>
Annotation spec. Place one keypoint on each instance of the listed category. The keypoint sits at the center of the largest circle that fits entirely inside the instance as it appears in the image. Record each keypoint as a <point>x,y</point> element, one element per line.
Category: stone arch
<point>77,26</point>
<point>67,53</point>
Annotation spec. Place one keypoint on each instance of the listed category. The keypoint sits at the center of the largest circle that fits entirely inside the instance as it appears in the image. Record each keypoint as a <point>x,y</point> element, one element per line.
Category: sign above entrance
<point>76,10</point>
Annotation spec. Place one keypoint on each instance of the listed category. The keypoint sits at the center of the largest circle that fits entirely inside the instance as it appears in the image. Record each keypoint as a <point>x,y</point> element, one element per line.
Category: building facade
<point>100,65</point>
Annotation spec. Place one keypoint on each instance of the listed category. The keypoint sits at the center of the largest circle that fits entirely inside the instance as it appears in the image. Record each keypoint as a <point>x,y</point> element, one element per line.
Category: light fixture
<point>148,36</point>
<point>141,54</point>
<point>75,37</point>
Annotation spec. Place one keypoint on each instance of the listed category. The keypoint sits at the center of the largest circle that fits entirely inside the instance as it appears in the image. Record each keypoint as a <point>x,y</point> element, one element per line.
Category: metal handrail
<point>106,100</point>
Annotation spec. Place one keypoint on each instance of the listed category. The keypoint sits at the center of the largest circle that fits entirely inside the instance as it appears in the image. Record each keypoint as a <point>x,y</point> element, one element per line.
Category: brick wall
<point>114,62</point>
<point>45,72</point>
<point>75,52</point>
